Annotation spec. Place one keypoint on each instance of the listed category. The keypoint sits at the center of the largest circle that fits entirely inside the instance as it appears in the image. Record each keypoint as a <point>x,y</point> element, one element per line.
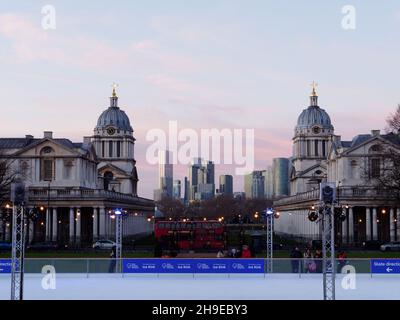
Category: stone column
<point>95,224</point>
<point>31,231</point>
<point>398,224</point>
<point>375,223</point>
<point>78,225</point>
<point>345,225</point>
<point>55,224</point>
<point>392,225</point>
<point>102,221</point>
<point>351,225</point>
<point>48,224</point>
<point>368,224</point>
<point>71,225</point>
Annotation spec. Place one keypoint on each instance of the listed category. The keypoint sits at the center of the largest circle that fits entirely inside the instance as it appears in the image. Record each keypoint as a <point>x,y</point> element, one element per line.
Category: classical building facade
<point>319,156</point>
<point>75,187</point>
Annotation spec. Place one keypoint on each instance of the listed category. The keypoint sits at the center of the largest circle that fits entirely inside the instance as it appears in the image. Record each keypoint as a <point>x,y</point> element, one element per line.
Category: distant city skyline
<point>242,64</point>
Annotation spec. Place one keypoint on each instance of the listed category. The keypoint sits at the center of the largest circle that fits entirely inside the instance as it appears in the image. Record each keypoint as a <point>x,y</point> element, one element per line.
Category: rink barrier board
<point>191,266</point>
<point>177,266</point>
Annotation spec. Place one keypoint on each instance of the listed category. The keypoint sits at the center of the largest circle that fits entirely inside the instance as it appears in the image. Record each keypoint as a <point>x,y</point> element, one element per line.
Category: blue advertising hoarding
<point>5,266</point>
<point>385,266</point>
<point>173,266</point>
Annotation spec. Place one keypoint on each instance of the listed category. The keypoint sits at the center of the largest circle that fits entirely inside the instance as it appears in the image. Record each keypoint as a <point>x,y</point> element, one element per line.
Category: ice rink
<point>210,287</point>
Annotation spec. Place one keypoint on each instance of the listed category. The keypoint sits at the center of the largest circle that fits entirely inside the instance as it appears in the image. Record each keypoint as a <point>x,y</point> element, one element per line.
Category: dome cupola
<point>114,117</point>
<point>314,116</point>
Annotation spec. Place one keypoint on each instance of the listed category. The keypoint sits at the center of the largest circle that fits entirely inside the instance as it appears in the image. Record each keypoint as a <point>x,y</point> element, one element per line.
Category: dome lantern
<point>114,116</point>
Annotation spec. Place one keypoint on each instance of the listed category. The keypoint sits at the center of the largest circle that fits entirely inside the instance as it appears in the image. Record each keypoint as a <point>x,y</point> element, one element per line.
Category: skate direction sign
<point>385,266</point>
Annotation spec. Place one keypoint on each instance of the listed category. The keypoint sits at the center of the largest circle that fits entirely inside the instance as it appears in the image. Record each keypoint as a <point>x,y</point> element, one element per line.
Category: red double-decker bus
<point>192,235</point>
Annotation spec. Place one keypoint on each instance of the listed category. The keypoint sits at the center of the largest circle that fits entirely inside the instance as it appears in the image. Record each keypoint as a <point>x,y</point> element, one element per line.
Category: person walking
<point>113,261</point>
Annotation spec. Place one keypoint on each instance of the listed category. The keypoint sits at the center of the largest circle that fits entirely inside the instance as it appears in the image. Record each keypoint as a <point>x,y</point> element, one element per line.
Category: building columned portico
<point>75,187</point>
<point>372,214</point>
<point>369,216</point>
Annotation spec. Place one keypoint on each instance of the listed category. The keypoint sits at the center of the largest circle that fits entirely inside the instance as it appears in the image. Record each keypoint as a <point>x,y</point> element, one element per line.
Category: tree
<point>7,176</point>
<point>393,122</point>
<point>386,178</point>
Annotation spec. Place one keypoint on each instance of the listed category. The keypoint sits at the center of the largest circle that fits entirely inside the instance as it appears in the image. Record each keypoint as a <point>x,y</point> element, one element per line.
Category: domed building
<point>312,141</point>
<point>114,144</point>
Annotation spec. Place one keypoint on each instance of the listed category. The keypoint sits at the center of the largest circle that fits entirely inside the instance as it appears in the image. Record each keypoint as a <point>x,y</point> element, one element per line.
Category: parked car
<point>104,245</point>
<point>44,246</point>
<point>392,246</point>
<point>372,245</point>
<point>5,246</point>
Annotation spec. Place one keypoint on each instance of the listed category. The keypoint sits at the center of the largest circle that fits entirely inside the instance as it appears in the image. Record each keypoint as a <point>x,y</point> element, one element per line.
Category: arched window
<point>375,148</point>
<point>108,178</point>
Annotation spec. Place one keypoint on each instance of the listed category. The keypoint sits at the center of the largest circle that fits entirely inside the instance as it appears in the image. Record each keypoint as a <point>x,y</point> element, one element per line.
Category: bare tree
<point>7,176</point>
<point>393,122</point>
<point>384,174</point>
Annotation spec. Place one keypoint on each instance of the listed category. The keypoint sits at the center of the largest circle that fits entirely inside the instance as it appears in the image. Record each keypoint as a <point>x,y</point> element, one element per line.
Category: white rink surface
<point>210,287</point>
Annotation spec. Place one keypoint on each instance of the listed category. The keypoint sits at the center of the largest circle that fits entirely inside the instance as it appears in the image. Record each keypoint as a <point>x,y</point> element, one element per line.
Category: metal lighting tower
<point>18,241</point>
<point>328,252</point>
<point>328,198</point>
<point>118,236</point>
<point>269,218</point>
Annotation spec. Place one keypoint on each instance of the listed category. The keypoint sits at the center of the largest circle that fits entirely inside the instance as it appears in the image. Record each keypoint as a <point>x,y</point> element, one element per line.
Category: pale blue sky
<point>206,64</point>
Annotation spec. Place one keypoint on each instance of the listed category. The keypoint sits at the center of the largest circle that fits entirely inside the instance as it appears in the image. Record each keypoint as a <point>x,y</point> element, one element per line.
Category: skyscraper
<point>254,185</point>
<point>165,185</point>
<point>226,185</point>
<point>177,189</point>
<point>201,180</point>
<point>269,183</point>
<point>281,177</point>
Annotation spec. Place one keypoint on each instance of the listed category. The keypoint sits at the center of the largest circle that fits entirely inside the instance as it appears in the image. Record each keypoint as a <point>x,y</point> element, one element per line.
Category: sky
<point>205,64</point>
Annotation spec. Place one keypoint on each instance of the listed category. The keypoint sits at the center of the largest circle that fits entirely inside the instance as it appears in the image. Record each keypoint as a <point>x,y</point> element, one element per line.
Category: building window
<point>108,178</point>
<point>68,165</point>
<point>375,168</point>
<point>324,148</point>
<point>47,173</point>
<point>103,149</point>
<point>47,164</point>
<point>110,149</point>
<point>308,148</point>
<point>118,149</point>
<point>316,148</point>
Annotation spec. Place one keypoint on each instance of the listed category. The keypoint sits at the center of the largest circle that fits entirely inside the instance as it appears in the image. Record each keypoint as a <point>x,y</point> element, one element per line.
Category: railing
<point>56,193</point>
<point>343,192</point>
<point>194,267</point>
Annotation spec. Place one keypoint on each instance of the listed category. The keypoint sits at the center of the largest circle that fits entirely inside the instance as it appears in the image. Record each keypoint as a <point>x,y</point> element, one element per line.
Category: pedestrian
<point>342,256</point>
<point>246,253</point>
<point>113,260</point>
<point>318,261</point>
<point>307,261</point>
<point>296,256</point>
